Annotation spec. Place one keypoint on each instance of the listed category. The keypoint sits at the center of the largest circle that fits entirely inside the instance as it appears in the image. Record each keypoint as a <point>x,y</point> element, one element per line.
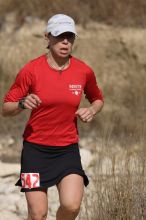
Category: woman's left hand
<point>85,114</point>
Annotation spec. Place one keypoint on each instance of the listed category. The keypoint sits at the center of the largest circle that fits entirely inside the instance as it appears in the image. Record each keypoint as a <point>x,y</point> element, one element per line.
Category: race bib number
<point>30,180</point>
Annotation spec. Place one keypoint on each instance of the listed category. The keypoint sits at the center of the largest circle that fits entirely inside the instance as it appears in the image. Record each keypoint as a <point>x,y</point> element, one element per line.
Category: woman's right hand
<point>31,101</point>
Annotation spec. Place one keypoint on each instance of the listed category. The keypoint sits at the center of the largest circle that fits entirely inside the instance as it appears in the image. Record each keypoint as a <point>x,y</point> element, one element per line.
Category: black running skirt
<point>45,166</point>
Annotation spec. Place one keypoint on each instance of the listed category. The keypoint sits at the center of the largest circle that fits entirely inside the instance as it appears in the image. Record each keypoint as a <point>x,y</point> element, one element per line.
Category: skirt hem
<point>55,182</point>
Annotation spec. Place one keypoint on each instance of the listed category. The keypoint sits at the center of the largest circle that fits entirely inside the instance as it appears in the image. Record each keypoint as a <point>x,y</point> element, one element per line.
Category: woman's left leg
<point>70,190</point>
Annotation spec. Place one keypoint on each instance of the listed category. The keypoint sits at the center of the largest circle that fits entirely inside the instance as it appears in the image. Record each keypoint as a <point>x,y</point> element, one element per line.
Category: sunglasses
<point>67,35</point>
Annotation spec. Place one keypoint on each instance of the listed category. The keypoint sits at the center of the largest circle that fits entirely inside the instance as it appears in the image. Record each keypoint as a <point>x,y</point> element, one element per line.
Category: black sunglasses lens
<point>68,35</point>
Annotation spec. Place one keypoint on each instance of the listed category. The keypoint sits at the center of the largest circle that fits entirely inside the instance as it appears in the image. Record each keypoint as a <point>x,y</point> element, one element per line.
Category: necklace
<point>54,66</point>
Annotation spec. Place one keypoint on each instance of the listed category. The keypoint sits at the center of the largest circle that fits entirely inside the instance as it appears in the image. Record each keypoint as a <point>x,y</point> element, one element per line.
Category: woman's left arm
<point>87,114</point>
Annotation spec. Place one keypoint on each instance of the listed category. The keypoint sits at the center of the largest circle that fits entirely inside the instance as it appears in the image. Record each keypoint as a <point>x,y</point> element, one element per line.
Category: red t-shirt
<point>54,122</point>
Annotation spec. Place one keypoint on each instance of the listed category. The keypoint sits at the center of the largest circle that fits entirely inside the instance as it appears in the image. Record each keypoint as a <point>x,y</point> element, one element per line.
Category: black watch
<point>21,103</point>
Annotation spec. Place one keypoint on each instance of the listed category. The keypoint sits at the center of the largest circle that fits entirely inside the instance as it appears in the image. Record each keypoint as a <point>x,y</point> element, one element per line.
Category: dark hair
<point>47,35</point>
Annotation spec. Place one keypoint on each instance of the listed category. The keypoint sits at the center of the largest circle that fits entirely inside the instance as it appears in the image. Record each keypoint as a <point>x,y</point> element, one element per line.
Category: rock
<point>6,215</point>
<point>86,157</point>
<point>7,169</point>
<point>6,141</point>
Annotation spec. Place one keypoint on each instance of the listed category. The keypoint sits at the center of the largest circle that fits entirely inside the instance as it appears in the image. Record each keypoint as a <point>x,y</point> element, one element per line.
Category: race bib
<point>30,180</point>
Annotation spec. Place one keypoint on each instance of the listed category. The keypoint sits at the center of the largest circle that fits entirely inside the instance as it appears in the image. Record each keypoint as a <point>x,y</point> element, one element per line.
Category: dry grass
<point>118,186</point>
<point>125,13</point>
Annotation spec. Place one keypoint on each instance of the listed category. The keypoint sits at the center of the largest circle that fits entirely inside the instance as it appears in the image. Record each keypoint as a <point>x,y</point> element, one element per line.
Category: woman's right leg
<point>37,202</point>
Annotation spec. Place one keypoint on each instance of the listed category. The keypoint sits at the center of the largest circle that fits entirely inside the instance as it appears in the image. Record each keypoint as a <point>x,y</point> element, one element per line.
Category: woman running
<point>51,87</point>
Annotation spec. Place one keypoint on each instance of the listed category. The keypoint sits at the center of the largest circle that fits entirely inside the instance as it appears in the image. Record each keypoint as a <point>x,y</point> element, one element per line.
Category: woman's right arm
<point>19,96</point>
<point>11,109</point>
<point>30,102</point>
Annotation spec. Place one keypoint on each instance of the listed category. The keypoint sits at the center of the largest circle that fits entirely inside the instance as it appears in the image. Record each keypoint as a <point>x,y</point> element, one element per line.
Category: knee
<point>72,209</point>
<point>38,215</point>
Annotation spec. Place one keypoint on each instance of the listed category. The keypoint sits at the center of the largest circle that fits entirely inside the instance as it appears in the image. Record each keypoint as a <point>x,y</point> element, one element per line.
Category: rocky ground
<point>12,201</point>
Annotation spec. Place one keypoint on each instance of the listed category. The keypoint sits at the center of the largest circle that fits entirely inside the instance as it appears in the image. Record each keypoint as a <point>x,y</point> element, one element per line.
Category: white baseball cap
<point>59,24</point>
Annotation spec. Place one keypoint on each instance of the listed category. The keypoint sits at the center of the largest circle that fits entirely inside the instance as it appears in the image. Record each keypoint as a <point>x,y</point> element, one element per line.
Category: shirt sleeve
<point>91,90</point>
<point>21,87</point>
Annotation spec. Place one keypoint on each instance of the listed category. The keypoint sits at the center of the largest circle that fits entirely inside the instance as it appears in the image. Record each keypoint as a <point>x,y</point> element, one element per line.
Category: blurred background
<point>112,41</point>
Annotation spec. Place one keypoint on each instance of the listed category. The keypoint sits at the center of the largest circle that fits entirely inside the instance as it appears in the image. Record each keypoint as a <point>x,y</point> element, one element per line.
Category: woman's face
<point>61,46</point>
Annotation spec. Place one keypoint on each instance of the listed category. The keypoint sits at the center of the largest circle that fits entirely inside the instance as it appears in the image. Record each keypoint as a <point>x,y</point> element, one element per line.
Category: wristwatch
<point>21,103</point>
